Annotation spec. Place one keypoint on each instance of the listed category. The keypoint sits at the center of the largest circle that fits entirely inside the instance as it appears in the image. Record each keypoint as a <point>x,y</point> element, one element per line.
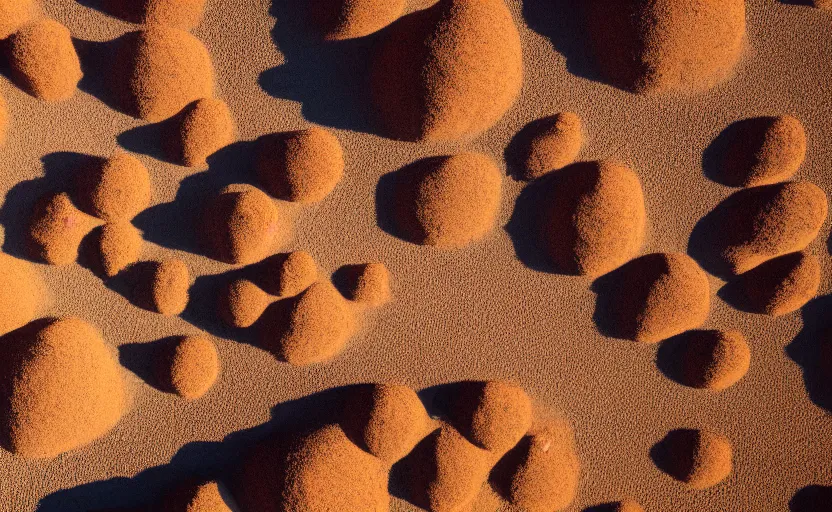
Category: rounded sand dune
<point>714,360</point>
<point>242,303</point>
<point>448,72</point>
<point>763,151</point>
<point>193,367</point>
<point>22,293</point>
<point>657,296</point>
<point>493,415</point>
<point>548,144</point>
<point>593,218</point>
<point>56,229</point>
<point>699,458</point>
<point>302,166</point>
<point>166,69</point>
<point>117,189</point>
<point>119,246</point>
<point>336,20</point>
<point>239,225</point>
<point>182,14</point>
<point>310,328</point>
<point>14,14</point>
<point>200,130</point>
<point>370,284</point>
<point>168,287</point>
<point>61,388</point>
<point>288,275</point>
<point>448,202</point>
<point>649,46</point>
<point>210,496</point>
<point>43,60</point>
<point>779,286</point>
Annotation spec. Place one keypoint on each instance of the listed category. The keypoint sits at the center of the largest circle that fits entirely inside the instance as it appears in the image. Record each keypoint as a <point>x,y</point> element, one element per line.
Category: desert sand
<point>223,356</point>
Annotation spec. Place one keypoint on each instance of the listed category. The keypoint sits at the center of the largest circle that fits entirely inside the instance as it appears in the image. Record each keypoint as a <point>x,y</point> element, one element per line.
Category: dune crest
<point>699,458</point>
<point>779,286</point>
<point>242,303</point>
<point>117,189</point>
<point>288,275</point>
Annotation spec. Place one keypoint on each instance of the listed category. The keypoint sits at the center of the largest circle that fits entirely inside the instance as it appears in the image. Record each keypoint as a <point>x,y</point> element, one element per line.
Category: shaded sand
<point>117,189</point>
<point>61,388</point>
<point>56,229</point>
<point>165,69</point>
<point>167,287</point>
<point>201,129</point>
<point>493,415</point>
<point>346,19</point>
<point>762,151</point>
<point>655,46</point>
<point>778,287</point>
<point>192,367</point>
<point>119,246</point>
<point>699,458</point>
<point>448,202</point>
<point>286,275</point>
<point>653,298</point>
<point>4,120</point>
<point>242,303</point>
<point>368,283</point>
<point>592,219</point>
<point>546,145</point>
<point>22,293</point>
<point>13,15</point>
<point>239,224</point>
<point>205,497</point>
<point>755,225</point>
<point>707,359</point>
<point>627,506</point>
<point>302,166</point>
<point>43,61</point>
<point>448,72</point>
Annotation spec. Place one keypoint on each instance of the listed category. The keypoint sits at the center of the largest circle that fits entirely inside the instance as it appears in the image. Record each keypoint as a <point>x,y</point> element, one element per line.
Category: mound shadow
<point>672,453</point>
<point>103,79</point>
<point>525,225</point>
<point>812,351</point>
<point>812,498</point>
<point>125,11</point>
<point>331,79</point>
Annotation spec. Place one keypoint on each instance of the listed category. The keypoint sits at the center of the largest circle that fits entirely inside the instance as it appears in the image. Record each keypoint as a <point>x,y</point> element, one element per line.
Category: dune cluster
<point>548,144</point>
<point>13,15</point>
<point>655,46</point>
<point>593,218</point>
<point>192,367</point>
<point>116,190</point>
<point>56,229</point>
<point>43,60</point>
<point>61,388</point>
<point>302,166</point>
<point>239,225</point>
<point>22,293</point>
<point>714,360</point>
<point>779,286</point>
<point>198,131</point>
<point>210,496</point>
<point>370,284</point>
<point>119,246</point>
<point>699,458</point>
<point>448,202</point>
<point>336,20</point>
<point>448,72</point>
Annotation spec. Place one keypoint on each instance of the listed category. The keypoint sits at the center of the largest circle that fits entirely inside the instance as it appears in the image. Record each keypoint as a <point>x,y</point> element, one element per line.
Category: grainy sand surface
<point>481,312</point>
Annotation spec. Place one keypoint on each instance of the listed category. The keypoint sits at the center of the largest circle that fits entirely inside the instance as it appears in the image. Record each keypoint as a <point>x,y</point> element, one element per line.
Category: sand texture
<point>271,283</point>
<point>546,145</point>
<point>13,15</point>
<point>43,60</point>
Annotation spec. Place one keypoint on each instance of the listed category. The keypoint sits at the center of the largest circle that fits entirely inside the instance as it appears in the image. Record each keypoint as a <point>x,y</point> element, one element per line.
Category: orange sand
<point>347,19</point>
<point>627,506</point>
<point>13,15</point>
<point>202,128</point>
<point>43,60</point>
<point>193,367</point>
<point>494,415</point>
<point>22,294</point>
<point>169,285</point>
<point>4,120</point>
<point>779,286</point>
<point>116,190</point>
<point>715,360</point>
<point>371,284</point>
<point>242,303</point>
<point>699,458</point>
<point>549,144</point>
<point>205,497</point>
<point>183,14</point>
<point>286,275</point>
<point>119,246</point>
<point>56,229</point>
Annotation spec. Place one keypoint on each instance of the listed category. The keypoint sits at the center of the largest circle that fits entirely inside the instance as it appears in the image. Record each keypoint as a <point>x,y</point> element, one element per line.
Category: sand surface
<point>485,311</point>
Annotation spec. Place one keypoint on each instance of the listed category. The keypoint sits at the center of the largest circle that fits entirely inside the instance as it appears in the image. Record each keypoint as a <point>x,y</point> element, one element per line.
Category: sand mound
<point>239,225</point>
<point>182,14</point>
<point>370,284</point>
<point>302,166</point>
<point>714,360</point>
<point>779,286</point>
<point>448,201</point>
<point>4,121</point>
<point>326,471</point>
<point>169,286</point>
<point>166,70</point>
<point>243,303</point>
<point>193,367</point>
<point>43,61</point>
<point>821,4</point>
<point>493,415</point>
<point>60,388</point>
<point>653,46</point>
<point>763,151</point>
<point>22,293</point>
<point>593,218</point>
<point>336,20</point>
<point>120,245</point>
<point>658,296</point>
<point>700,458</point>
<point>56,230</point>
<point>13,15</point>
<point>286,275</point>
<point>549,144</point>
<point>387,420</point>
<point>117,189</point>
<point>310,328</point>
<point>627,506</point>
<point>755,225</point>
<point>203,497</point>
<point>201,129</point>
<point>547,477</point>
<point>446,472</point>
<point>448,72</point>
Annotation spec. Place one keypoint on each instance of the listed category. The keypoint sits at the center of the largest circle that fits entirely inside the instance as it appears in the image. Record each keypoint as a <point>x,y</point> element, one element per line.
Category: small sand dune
<point>199,130</point>
<point>61,388</point>
<point>210,496</point>
<point>714,360</point>
<point>286,275</point>
<point>302,166</point>
<point>13,15</point>
<point>242,303</point>
<point>336,20</point>
<point>167,288</point>
<point>117,189</point>
<point>779,286</point>
<point>448,72</point>
<point>57,228</point>
<point>43,60</point>
<point>654,46</point>
<point>493,415</point>
<point>547,145</point>
<point>119,246</point>
<point>4,121</point>
<point>22,293</point>
<point>191,368</point>
<point>699,458</point>
<point>369,284</point>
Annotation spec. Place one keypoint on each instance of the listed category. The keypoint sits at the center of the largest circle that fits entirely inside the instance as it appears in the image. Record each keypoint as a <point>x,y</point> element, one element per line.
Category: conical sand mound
<point>369,284</point>
<point>119,246</point>
<point>60,388</point>
<point>193,367</point>
<point>310,328</point>
<point>13,15</point>
<point>448,202</point>
<point>21,293</point>
<point>448,72</point>
<point>56,230</point>
<point>699,458</point>
<point>779,286</point>
<point>239,225</point>
<point>657,296</point>
<point>493,415</point>
<point>118,189</point>
<point>242,303</point>
<point>714,360</point>
<point>547,145</point>
<point>286,275</point>
<point>201,129</point>
<point>165,69</point>
<point>43,60</point>
<point>593,219</point>
<point>168,287</point>
<point>654,46</point>
<point>302,166</point>
<point>335,20</point>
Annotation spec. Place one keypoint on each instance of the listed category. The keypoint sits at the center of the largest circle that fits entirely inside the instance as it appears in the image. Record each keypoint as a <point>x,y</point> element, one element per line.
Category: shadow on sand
<point>812,350</point>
